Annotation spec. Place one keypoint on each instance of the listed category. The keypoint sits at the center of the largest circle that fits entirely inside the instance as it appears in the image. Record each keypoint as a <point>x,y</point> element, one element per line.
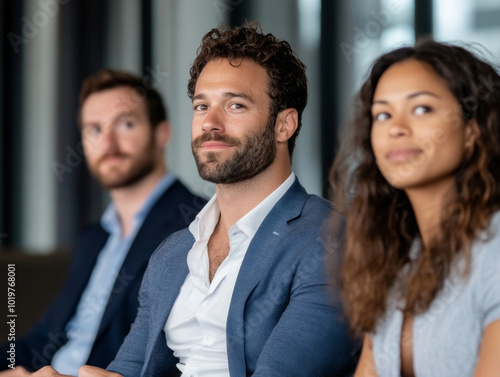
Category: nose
<point>399,127</point>
<point>109,140</point>
<point>213,121</point>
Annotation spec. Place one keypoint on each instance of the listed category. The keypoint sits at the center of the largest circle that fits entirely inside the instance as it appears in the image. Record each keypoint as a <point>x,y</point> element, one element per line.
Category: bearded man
<point>243,291</point>
<point>124,133</point>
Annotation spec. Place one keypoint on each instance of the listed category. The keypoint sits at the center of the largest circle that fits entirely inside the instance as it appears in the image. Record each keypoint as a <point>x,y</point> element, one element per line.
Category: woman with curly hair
<point>418,179</point>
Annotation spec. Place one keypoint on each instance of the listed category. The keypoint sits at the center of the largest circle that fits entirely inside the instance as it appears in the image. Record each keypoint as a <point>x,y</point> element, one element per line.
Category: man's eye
<point>236,106</point>
<point>93,131</point>
<point>200,107</point>
<point>125,125</point>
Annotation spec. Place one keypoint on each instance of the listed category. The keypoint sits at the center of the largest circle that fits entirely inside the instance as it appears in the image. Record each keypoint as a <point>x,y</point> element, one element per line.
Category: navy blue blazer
<point>282,320</point>
<point>174,210</point>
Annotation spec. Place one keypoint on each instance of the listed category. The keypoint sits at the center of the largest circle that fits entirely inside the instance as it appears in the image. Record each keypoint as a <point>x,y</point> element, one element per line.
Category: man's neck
<point>129,200</point>
<point>237,199</point>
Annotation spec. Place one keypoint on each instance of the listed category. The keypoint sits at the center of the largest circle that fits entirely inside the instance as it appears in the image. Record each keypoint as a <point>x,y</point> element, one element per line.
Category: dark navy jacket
<point>173,211</point>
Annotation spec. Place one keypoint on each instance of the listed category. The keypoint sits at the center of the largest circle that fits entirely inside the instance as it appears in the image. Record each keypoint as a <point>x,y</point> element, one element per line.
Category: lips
<point>403,154</point>
<point>112,158</point>
<point>215,145</point>
<point>214,141</point>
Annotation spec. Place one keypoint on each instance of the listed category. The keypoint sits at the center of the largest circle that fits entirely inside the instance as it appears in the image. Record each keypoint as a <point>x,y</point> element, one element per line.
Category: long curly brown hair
<point>286,73</point>
<point>381,225</point>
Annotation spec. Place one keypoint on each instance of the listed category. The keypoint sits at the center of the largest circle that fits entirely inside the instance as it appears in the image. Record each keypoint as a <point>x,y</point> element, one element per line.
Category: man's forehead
<point>244,77</point>
<point>113,102</point>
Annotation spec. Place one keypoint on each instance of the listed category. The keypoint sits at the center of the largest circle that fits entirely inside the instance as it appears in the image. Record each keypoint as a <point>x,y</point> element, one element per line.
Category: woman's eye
<point>380,117</point>
<point>420,110</point>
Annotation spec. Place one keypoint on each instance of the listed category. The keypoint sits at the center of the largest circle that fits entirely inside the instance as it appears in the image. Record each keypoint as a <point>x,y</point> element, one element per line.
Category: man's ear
<point>163,132</point>
<point>287,122</point>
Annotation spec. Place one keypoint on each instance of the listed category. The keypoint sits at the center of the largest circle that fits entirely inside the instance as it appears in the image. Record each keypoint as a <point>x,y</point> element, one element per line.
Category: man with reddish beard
<point>243,291</point>
<point>124,133</point>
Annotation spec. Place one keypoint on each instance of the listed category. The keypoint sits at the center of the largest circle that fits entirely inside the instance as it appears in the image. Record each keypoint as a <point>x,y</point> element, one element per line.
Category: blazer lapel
<point>273,230</point>
<point>134,265</point>
<point>80,272</point>
<point>172,272</point>
<point>153,231</point>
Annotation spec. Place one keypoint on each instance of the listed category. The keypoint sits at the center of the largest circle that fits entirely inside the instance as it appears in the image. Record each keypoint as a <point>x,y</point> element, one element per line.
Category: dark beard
<point>252,156</point>
<point>140,169</point>
<point>136,174</point>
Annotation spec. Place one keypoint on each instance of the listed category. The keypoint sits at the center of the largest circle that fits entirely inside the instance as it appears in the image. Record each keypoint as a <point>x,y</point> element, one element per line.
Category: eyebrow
<point>125,114</point>
<point>118,117</point>
<point>413,95</point>
<point>228,95</point>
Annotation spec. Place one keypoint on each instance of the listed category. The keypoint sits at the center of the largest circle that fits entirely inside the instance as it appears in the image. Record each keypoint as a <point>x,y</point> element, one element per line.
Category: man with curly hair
<point>243,291</point>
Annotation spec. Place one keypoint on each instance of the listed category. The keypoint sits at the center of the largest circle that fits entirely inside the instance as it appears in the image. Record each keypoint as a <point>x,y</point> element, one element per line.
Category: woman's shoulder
<point>486,271</point>
<point>487,244</point>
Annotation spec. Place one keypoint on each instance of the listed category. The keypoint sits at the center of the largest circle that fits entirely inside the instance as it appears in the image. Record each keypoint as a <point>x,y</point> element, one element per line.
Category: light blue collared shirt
<point>82,328</point>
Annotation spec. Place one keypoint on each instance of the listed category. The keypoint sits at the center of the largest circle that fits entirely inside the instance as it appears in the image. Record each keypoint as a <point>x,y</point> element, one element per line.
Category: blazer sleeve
<point>131,356</point>
<point>311,338</point>
<point>36,348</point>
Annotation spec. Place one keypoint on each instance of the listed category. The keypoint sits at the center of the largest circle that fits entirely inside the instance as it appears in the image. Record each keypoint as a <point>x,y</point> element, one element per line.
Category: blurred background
<point>49,46</point>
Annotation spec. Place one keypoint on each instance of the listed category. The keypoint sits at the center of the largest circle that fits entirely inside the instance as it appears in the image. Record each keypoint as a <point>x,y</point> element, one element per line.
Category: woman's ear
<point>471,135</point>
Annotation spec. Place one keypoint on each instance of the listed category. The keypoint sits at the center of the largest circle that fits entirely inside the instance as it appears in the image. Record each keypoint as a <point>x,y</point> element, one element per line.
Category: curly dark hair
<point>109,79</point>
<point>381,225</point>
<point>287,76</point>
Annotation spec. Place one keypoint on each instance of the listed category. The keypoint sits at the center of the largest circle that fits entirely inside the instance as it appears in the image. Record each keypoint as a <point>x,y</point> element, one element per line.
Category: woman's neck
<point>427,203</point>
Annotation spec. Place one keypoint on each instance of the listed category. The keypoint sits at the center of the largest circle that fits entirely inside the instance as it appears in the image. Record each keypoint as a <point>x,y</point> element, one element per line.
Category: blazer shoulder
<point>316,207</point>
<point>90,241</point>
<point>317,202</point>
<point>182,194</point>
<point>177,205</point>
<point>176,244</point>
<point>92,230</point>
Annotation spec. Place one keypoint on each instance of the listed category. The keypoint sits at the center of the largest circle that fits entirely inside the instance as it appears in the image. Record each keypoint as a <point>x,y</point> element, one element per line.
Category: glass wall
<point>42,208</point>
<point>471,21</point>
<point>379,25</point>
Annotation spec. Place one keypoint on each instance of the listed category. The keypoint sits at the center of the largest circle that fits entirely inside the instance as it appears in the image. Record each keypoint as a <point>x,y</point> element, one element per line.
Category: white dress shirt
<point>196,327</point>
